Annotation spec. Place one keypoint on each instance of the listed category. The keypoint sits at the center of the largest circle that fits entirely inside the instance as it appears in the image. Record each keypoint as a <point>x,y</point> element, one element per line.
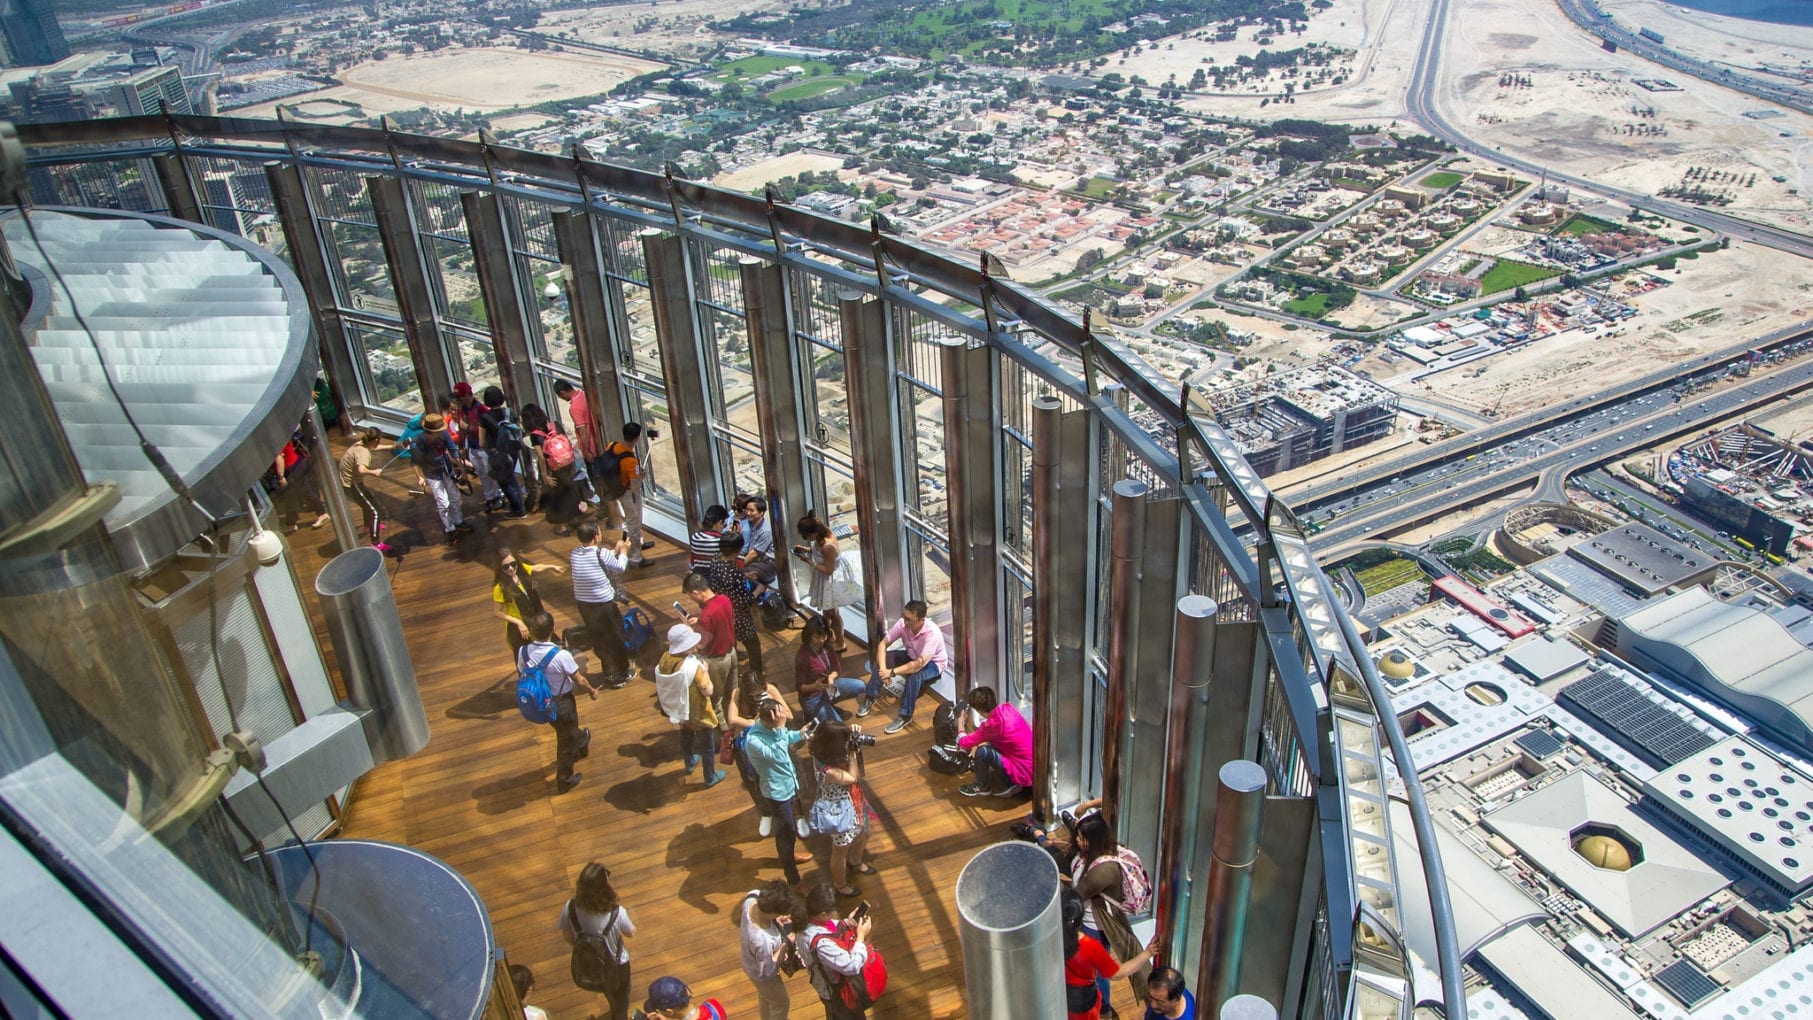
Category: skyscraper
<point>33,37</point>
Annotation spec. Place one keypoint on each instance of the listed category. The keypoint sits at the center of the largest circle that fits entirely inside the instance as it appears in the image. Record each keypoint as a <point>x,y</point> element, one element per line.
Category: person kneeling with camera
<point>840,810</point>
<point>1002,746</point>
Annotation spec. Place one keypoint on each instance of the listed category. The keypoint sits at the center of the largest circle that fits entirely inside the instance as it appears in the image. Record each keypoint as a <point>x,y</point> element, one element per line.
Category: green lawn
<point>810,87</point>
<point>762,64</point>
<point>1580,225</point>
<point>1098,187</point>
<point>1441,179</point>
<point>1509,275</point>
<point>1390,574</point>
<point>1310,306</point>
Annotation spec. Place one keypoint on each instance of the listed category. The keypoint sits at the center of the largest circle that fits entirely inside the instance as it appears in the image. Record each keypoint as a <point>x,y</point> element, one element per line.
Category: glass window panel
<point>727,353</point>
<point>922,425</point>
<point>662,471</point>
<point>478,359</point>
<point>746,470</point>
<point>933,562</point>
<point>550,329</point>
<point>437,209</point>
<point>236,196</point>
<point>531,225</point>
<point>642,355</point>
<point>127,184</point>
<point>390,372</point>
<point>355,256</point>
<point>458,290</point>
<point>621,243</point>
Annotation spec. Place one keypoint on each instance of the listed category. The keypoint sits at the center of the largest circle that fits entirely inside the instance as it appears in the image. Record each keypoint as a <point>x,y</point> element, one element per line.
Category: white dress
<point>835,590</point>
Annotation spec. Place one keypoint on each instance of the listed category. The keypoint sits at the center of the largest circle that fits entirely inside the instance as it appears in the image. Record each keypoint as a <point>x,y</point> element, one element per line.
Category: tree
<point>920,183</point>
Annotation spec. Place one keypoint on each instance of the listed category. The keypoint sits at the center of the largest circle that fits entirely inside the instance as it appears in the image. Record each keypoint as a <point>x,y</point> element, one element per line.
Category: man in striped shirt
<point>594,569</point>
<point>704,542</point>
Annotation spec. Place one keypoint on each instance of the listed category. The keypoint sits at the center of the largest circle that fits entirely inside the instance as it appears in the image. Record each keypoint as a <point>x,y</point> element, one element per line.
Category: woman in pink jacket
<point>1002,747</point>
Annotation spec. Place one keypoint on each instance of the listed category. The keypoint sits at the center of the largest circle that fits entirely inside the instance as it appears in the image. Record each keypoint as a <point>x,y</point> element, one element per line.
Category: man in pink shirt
<point>578,409</point>
<point>921,659</point>
<point>1002,746</point>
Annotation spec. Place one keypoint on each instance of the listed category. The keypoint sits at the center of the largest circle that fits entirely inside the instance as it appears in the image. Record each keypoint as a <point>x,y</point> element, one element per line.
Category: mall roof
<point>1737,648</point>
<point>1641,558</point>
<point>1669,879</point>
<point>1749,802</point>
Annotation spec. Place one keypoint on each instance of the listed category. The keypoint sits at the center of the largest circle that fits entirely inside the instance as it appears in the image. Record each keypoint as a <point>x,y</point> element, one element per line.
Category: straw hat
<point>682,639</point>
<point>433,423</point>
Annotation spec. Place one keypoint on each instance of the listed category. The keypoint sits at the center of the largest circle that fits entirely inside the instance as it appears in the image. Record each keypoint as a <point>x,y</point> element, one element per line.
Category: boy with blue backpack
<point>546,677</point>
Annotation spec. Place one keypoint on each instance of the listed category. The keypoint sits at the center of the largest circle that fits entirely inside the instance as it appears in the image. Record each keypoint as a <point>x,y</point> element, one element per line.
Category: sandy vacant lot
<point>751,178</point>
<point>1732,294</point>
<point>1579,113</point>
<point>676,28</point>
<point>493,79</point>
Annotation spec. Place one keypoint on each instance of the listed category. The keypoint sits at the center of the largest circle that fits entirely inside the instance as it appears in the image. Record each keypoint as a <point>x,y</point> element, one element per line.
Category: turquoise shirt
<point>768,752</point>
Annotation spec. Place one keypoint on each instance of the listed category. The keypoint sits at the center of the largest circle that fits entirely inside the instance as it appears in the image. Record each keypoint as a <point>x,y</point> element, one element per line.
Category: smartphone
<point>861,911</point>
<point>678,608</point>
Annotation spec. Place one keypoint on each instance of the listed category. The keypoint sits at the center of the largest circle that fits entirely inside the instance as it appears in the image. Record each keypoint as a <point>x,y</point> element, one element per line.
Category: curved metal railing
<point>1334,724</point>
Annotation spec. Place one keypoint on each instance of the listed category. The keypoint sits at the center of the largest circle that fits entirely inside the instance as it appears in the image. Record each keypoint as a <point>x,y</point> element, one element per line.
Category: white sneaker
<point>766,828</point>
<point>800,826</point>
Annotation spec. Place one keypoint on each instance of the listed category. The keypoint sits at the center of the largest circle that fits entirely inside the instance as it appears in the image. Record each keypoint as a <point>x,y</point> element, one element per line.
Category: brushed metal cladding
<point>374,659</point>
<point>1009,922</point>
<point>205,336</point>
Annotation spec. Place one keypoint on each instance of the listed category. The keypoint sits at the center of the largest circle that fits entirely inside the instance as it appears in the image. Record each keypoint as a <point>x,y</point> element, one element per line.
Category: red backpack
<point>859,990</point>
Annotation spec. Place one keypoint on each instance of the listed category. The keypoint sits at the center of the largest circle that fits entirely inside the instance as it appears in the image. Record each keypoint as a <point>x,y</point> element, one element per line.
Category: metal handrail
<point>589,183</point>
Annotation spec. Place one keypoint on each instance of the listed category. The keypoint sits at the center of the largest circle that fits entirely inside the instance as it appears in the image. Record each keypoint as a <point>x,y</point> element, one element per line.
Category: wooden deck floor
<point>481,795</point>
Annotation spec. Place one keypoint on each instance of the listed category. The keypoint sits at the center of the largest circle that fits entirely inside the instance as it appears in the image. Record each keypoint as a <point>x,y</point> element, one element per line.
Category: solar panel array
<point>1540,743</point>
<point>1686,983</point>
<point>1645,727</point>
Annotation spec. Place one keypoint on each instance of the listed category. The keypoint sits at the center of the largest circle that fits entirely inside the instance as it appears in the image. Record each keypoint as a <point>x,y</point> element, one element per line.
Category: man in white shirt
<point>563,674</point>
<point>594,570</point>
<point>827,962</point>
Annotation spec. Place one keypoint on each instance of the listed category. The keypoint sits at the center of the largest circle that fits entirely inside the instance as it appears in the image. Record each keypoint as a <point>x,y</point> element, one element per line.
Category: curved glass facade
<point>1063,511</point>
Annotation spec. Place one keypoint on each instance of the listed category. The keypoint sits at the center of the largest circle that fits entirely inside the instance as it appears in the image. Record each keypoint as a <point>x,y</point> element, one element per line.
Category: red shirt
<point>1090,962</point>
<point>717,626</point>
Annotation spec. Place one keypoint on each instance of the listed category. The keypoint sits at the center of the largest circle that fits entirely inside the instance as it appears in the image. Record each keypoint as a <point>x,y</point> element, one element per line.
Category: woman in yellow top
<point>515,598</point>
<point>699,732</point>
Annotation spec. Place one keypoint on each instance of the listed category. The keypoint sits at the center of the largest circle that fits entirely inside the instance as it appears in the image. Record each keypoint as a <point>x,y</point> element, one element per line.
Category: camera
<point>789,962</point>
<point>653,433</point>
<point>858,741</point>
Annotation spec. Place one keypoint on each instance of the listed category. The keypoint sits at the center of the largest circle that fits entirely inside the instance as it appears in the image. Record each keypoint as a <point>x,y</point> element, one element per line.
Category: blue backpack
<point>533,699</point>
<point>637,630</point>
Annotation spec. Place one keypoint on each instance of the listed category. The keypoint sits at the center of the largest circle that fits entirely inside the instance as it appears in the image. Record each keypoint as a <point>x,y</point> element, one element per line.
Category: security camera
<point>267,546</point>
<point>551,291</point>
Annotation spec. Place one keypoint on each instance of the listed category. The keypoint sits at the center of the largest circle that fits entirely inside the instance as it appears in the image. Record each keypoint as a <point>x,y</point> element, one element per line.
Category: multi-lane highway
<point>1545,456</point>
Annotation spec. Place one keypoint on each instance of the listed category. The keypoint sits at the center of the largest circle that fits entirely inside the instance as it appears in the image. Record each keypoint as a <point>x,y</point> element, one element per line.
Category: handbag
<point>829,817</point>
<point>1080,998</point>
<point>728,746</point>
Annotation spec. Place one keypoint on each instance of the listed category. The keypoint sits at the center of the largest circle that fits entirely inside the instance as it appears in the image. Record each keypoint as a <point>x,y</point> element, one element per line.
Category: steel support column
<point>875,455</point>
<point>1192,666</point>
<point>678,342</point>
<point>1240,809</point>
<point>396,230</point>
<point>778,394</point>
<point>327,477</point>
<point>1148,687</point>
<point>506,309</point>
<point>586,309</point>
<point>1127,539</point>
<point>972,458</point>
<point>179,187</point>
<point>1063,532</point>
<point>290,194</point>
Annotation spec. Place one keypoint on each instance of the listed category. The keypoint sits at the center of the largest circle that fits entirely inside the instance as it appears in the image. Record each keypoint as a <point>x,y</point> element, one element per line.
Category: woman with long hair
<point>556,459</point>
<point>596,910</point>
<point>840,811</point>
<point>1089,968</point>
<point>514,597</point>
<point>834,582</point>
<point>1096,877</point>
<point>745,705</point>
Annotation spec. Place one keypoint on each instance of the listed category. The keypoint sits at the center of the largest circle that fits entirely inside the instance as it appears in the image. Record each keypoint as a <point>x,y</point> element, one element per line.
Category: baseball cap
<point>462,389</point>
<point>667,993</point>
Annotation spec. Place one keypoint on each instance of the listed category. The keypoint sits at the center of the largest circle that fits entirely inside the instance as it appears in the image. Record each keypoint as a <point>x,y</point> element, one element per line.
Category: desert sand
<point>752,177</point>
<point>495,78</point>
<point>1577,114</point>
